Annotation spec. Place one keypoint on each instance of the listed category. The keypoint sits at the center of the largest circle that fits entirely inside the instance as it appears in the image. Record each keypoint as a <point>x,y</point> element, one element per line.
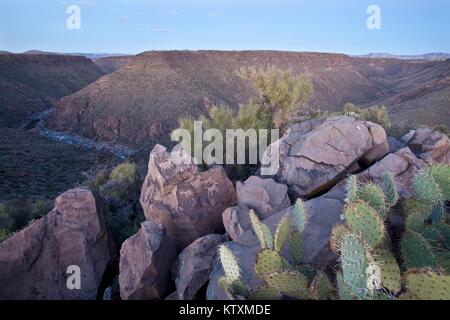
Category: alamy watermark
<point>74,278</point>
<point>374,19</point>
<point>238,146</point>
<point>73,21</point>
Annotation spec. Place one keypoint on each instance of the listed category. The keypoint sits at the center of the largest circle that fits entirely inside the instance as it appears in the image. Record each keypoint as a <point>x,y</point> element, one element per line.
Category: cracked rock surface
<point>189,203</point>
<point>34,261</point>
<point>315,154</point>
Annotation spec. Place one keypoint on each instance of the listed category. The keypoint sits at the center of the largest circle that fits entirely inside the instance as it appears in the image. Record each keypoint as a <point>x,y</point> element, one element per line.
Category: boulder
<point>324,214</point>
<point>145,262</point>
<point>430,146</point>
<point>265,196</point>
<point>316,154</point>
<point>35,262</point>
<point>403,165</point>
<point>194,265</point>
<point>189,203</point>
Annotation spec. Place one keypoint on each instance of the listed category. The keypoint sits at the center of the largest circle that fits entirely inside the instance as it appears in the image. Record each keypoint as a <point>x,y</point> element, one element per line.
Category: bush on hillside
<point>375,114</point>
<point>283,93</point>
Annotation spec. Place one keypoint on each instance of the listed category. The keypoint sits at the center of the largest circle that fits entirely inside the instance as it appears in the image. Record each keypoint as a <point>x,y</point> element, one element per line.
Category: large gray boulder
<point>145,262</point>
<point>403,165</point>
<point>265,196</point>
<point>324,213</point>
<point>314,155</point>
<point>194,265</point>
<point>34,262</point>
<point>189,203</point>
<point>430,146</point>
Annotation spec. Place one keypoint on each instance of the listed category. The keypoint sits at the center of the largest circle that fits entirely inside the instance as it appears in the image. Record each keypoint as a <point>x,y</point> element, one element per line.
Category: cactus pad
<point>295,246</point>
<point>282,233</point>
<point>300,215</point>
<point>365,222</point>
<point>268,261</point>
<point>343,291</point>
<point>427,189</point>
<point>414,221</point>
<point>428,285</point>
<point>262,232</point>
<point>441,174</point>
<point>264,293</point>
<point>290,283</point>
<point>338,233</point>
<point>390,189</point>
<point>389,270</point>
<point>354,264</point>
<point>229,264</point>
<point>373,195</point>
<point>352,189</point>
<point>416,251</point>
<point>321,288</point>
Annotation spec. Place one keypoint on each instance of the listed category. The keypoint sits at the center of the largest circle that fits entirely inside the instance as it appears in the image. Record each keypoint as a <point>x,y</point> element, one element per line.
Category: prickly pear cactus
<point>282,233</point>
<point>414,205</point>
<point>390,276</point>
<point>365,222</point>
<point>300,215</point>
<point>352,189</point>
<point>264,293</point>
<point>441,175</point>
<point>373,195</point>
<point>289,283</point>
<point>344,292</point>
<point>416,251</point>
<point>354,264</point>
<point>428,284</point>
<point>427,189</point>
<point>262,232</point>
<point>295,246</point>
<point>229,264</point>
<point>414,221</point>
<point>268,261</point>
<point>390,189</point>
<point>321,288</point>
<point>337,235</point>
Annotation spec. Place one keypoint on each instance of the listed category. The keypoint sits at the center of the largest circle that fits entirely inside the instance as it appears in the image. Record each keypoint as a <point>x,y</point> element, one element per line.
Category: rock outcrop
<point>324,213</point>
<point>403,165</point>
<point>145,261</point>
<point>34,262</point>
<point>189,203</point>
<point>194,265</point>
<point>430,146</point>
<point>265,196</point>
<point>316,154</point>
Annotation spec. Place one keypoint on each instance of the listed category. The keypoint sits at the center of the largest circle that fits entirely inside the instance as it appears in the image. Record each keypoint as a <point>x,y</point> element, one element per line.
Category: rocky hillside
<point>189,214</point>
<point>143,100</point>
<point>30,83</point>
<point>111,64</point>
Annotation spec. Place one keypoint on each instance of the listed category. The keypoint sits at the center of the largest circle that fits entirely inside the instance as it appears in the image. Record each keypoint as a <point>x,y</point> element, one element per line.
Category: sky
<point>134,26</point>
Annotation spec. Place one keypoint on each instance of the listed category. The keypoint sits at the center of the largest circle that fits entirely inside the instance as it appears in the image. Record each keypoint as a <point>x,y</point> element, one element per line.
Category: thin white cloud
<point>160,30</point>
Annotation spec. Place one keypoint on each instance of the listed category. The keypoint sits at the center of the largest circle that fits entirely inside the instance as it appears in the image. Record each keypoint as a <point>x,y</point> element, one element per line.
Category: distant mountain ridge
<point>143,99</point>
<point>427,56</point>
<point>34,82</point>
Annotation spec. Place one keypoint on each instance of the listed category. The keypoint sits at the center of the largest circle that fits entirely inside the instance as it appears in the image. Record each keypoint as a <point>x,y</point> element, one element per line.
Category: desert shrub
<point>3,234</point>
<point>253,116</point>
<point>122,227</point>
<point>16,214</point>
<point>283,93</point>
<point>124,172</point>
<point>375,114</point>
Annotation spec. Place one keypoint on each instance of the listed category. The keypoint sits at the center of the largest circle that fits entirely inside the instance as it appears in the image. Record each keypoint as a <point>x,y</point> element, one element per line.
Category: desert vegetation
<point>373,265</point>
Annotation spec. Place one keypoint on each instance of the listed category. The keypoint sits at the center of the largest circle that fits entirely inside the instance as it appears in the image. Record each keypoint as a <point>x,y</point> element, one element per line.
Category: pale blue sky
<point>133,26</point>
